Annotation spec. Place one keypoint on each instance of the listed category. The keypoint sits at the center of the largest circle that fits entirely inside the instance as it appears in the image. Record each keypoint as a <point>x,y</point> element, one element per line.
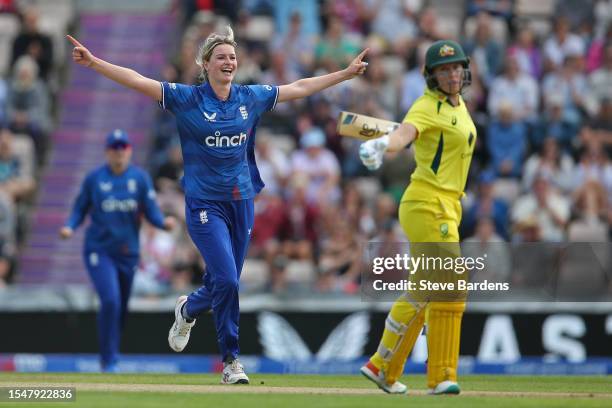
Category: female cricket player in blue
<point>116,196</point>
<point>216,122</point>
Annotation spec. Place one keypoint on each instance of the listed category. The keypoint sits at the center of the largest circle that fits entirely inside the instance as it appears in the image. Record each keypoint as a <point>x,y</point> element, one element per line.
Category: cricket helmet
<point>445,52</point>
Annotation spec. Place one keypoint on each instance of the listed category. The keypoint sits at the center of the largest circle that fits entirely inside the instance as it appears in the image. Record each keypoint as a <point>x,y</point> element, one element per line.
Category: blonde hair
<point>206,49</point>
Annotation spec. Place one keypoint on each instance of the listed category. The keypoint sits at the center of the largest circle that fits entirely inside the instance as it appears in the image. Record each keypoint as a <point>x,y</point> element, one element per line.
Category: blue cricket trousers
<point>221,231</point>
<point>112,276</point>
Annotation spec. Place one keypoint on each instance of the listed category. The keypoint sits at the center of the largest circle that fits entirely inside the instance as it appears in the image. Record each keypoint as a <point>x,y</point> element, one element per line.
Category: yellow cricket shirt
<point>445,143</point>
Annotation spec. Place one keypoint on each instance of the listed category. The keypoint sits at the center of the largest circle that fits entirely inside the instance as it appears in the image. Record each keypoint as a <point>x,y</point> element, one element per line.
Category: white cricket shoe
<point>178,337</point>
<point>378,377</point>
<point>233,373</point>
<point>445,387</point>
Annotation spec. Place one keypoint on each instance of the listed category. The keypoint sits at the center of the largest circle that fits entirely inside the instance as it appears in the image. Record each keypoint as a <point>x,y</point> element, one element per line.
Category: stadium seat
<point>300,272</point>
<point>255,274</point>
<point>259,28</point>
<point>539,8</point>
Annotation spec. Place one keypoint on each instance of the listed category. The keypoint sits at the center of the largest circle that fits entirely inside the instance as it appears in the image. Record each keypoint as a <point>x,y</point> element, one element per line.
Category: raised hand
<point>357,66</point>
<point>80,54</point>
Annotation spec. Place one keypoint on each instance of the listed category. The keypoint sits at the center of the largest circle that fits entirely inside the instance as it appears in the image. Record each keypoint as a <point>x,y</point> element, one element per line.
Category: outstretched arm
<point>308,86</point>
<point>123,76</point>
<point>401,137</point>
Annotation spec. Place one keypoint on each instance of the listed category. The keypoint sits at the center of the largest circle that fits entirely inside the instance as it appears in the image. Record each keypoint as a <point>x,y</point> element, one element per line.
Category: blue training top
<point>116,204</point>
<point>218,137</point>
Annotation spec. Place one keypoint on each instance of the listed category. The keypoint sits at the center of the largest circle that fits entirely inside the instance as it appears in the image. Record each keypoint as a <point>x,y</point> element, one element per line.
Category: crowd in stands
<point>28,78</point>
<point>541,98</point>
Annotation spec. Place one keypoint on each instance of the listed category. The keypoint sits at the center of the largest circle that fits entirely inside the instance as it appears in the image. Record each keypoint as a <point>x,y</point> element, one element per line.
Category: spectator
<point>153,276</point>
<point>562,43</point>
<point>278,73</point>
<point>30,41</point>
<point>308,10</point>
<point>29,105</point>
<point>554,124</point>
<point>320,167</point>
<point>595,54</point>
<point>568,84</point>
<point>393,20</point>
<point>376,89</point>
<point>164,128</point>
<point>601,125</point>
<point>324,115</point>
<point>487,243</point>
<point>601,80</point>
<point>273,165</point>
<point>334,50</point>
<point>340,261</point>
<point>187,71</point>
<point>13,181</point>
<point>594,167</point>
<point>556,165</point>
<point>298,47</point>
<point>544,209</point>
<point>592,214</point>
<point>352,13</point>
<point>385,210</point>
<point>429,26</point>
<point>486,206</point>
<point>300,229</point>
<point>507,142</point>
<point>527,53</point>
<point>518,89</point>
<point>249,71</point>
<point>577,12</point>
<point>484,50</point>
<point>413,82</point>
<point>168,181</point>
<point>270,216</point>
<point>170,172</point>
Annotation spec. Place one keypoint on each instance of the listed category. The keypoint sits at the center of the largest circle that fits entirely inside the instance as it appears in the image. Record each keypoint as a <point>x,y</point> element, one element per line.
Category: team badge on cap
<point>446,50</point>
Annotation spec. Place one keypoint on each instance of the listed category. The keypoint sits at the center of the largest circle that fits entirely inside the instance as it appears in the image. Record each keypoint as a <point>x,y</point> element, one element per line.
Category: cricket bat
<point>363,127</point>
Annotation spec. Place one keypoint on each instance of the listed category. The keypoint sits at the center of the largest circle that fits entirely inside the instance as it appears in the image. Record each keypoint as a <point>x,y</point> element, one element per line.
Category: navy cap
<point>117,137</point>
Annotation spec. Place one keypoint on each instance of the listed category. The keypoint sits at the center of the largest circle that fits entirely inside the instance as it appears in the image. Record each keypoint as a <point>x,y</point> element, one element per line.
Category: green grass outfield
<point>296,391</point>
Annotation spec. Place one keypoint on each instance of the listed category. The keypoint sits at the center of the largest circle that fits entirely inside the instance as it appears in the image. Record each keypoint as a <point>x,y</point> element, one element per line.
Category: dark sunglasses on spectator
<point>119,146</point>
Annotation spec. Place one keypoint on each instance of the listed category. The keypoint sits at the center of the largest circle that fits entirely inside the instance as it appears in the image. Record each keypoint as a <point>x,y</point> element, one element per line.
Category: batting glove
<point>371,152</point>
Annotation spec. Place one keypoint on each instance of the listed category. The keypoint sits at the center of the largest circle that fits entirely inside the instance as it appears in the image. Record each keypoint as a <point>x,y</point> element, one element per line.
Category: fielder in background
<point>116,196</point>
<point>443,134</point>
<point>217,122</point>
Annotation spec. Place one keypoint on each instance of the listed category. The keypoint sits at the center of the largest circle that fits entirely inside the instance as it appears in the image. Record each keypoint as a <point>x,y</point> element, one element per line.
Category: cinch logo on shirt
<point>112,205</point>
<point>225,141</point>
